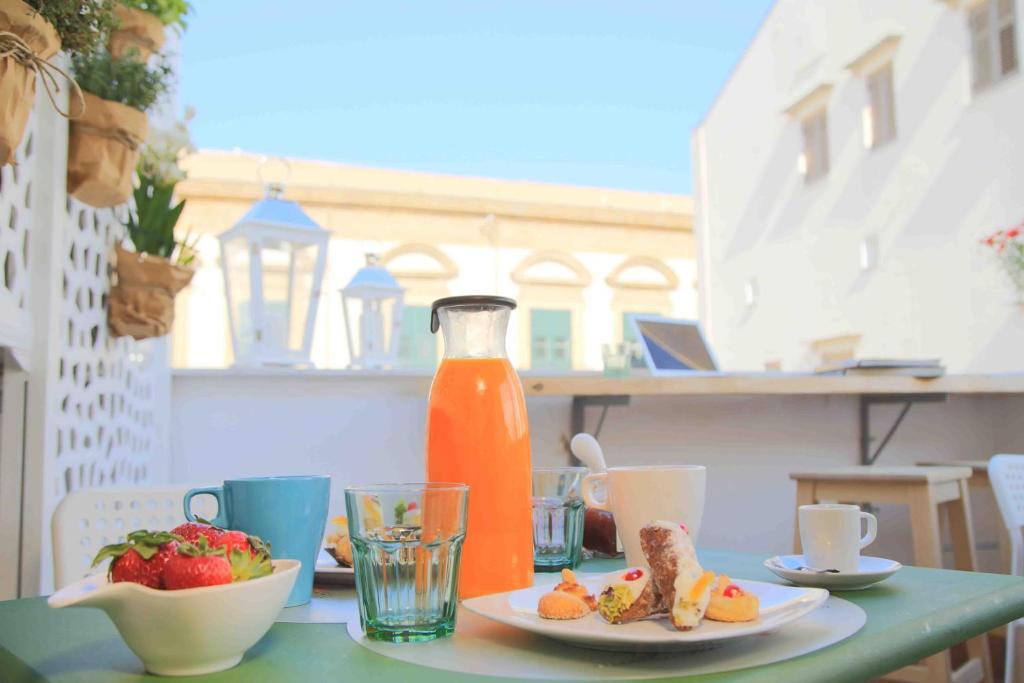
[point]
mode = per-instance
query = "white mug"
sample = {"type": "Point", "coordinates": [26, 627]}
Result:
{"type": "Point", "coordinates": [638, 495]}
{"type": "Point", "coordinates": [830, 535]}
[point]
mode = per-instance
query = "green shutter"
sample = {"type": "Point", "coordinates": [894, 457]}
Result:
{"type": "Point", "coordinates": [417, 347]}
{"type": "Point", "coordinates": [550, 339]}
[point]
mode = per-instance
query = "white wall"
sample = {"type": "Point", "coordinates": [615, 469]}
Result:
{"type": "Point", "coordinates": [954, 173]}
{"type": "Point", "coordinates": [366, 428]}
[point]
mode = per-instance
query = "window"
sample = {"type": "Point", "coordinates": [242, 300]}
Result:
{"type": "Point", "coordinates": [993, 33]}
{"type": "Point", "coordinates": [550, 339]}
{"type": "Point", "coordinates": [814, 160]}
{"type": "Point", "coordinates": [880, 116]}
{"type": "Point", "coordinates": [417, 347]}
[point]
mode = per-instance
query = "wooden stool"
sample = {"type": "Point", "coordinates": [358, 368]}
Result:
{"type": "Point", "coordinates": [979, 483]}
{"type": "Point", "coordinates": [925, 490]}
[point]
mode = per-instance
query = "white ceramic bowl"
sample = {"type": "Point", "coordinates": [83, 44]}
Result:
{"type": "Point", "coordinates": [187, 632]}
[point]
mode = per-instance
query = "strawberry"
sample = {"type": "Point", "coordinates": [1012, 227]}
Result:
{"type": "Point", "coordinates": [232, 540]}
{"type": "Point", "coordinates": [141, 559]}
{"type": "Point", "coordinates": [249, 565]}
{"type": "Point", "coordinates": [193, 531]}
{"type": "Point", "coordinates": [195, 565]}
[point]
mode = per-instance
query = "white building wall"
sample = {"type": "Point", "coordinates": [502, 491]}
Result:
{"type": "Point", "coordinates": [954, 173]}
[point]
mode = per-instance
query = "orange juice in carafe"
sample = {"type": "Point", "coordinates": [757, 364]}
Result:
{"type": "Point", "coordinates": [478, 434]}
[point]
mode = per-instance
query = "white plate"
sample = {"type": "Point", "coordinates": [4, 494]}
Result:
{"type": "Point", "coordinates": [329, 571]}
{"type": "Point", "coordinates": [871, 570]}
{"type": "Point", "coordinates": [780, 605]}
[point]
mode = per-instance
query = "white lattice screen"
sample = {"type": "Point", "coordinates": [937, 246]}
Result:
{"type": "Point", "coordinates": [105, 408]}
{"type": "Point", "coordinates": [15, 221]}
{"type": "Point", "coordinates": [97, 407]}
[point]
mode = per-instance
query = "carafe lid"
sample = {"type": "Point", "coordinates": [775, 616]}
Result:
{"type": "Point", "coordinates": [469, 300]}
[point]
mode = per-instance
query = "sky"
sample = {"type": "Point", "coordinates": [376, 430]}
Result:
{"type": "Point", "coordinates": [591, 92]}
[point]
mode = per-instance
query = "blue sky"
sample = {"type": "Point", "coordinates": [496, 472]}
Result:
{"type": "Point", "coordinates": [567, 91]}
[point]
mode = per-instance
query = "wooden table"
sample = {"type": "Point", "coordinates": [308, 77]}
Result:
{"type": "Point", "coordinates": [914, 614]}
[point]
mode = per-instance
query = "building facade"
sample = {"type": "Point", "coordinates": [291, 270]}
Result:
{"type": "Point", "coordinates": [578, 260]}
{"type": "Point", "coordinates": [844, 177]}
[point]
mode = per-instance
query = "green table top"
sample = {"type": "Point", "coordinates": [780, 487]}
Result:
{"type": "Point", "coordinates": [915, 613]}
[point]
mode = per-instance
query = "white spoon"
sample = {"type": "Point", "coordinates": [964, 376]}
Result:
{"type": "Point", "coordinates": [588, 451]}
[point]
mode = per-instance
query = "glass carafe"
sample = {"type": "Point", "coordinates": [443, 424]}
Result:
{"type": "Point", "coordinates": [478, 434]}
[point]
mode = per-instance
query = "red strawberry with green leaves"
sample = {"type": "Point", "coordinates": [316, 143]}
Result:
{"type": "Point", "coordinates": [246, 565]}
{"type": "Point", "coordinates": [195, 565]}
{"type": "Point", "coordinates": [232, 540]}
{"type": "Point", "coordinates": [142, 558]}
{"type": "Point", "coordinates": [193, 531]}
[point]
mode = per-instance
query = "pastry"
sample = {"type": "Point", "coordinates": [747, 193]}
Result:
{"type": "Point", "coordinates": [567, 600]}
{"type": "Point", "coordinates": [731, 603]}
{"type": "Point", "coordinates": [677, 574]}
{"type": "Point", "coordinates": [569, 584]}
{"type": "Point", "coordinates": [630, 596]}
{"type": "Point", "coordinates": [562, 605]}
{"type": "Point", "coordinates": [338, 544]}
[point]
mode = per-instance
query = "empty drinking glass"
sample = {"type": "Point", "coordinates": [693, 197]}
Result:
{"type": "Point", "coordinates": [557, 517]}
{"type": "Point", "coordinates": [406, 547]}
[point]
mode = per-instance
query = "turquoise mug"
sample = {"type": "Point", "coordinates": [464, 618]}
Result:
{"type": "Point", "coordinates": [288, 512]}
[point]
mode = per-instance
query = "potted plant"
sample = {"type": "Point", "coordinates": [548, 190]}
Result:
{"type": "Point", "coordinates": [139, 25]}
{"type": "Point", "coordinates": [104, 142]}
{"type": "Point", "coordinates": [148, 279]}
{"type": "Point", "coordinates": [1009, 250]}
{"type": "Point", "coordinates": [35, 31]}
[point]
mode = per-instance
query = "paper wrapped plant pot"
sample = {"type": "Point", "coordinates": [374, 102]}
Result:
{"type": "Point", "coordinates": [32, 35]}
{"type": "Point", "coordinates": [102, 150]}
{"type": "Point", "coordinates": [141, 303]}
{"type": "Point", "coordinates": [136, 29]}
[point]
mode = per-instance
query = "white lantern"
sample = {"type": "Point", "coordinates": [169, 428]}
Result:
{"type": "Point", "coordinates": [273, 262]}
{"type": "Point", "coordinates": [374, 299]}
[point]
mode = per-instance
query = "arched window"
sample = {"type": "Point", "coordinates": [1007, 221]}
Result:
{"type": "Point", "coordinates": [550, 297]}
{"type": "Point", "coordinates": [419, 261]}
{"type": "Point", "coordinates": [643, 272]}
{"type": "Point", "coordinates": [424, 271]}
{"type": "Point", "coordinates": [551, 268]}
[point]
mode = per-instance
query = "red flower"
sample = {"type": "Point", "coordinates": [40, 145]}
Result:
{"type": "Point", "coordinates": [1013, 233]}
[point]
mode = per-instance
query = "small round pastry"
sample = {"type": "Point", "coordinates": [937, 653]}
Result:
{"type": "Point", "coordinates": [731, 603]}
{"type": "Point", "coordinates": [562, 605]}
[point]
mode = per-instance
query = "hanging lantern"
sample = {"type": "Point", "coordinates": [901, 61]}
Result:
{"type": "Point", "coordinates": [273, 262]}
{"type": "Point", "coordinates": [372, 305]}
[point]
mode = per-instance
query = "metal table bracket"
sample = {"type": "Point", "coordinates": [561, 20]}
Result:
{"type": "Point", "coordinates": [868, 400]}
{"type": "Point", "coordinates": [577, 419]}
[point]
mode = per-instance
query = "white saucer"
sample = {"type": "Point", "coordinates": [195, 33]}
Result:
{"type": "Point", "coordinates": [870, 570]}
{"type": "Point", "coordinates": [329, 571]}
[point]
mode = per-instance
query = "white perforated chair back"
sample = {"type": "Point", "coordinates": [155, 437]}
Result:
{"type": "Point", "coordinates": [1006, 472]}
{"type": "Point", "coordinates": [89, 519]}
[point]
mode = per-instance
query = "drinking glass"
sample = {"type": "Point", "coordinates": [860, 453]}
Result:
{"type": "Point", "coordinates": [406, 546]}
{"type": "Point", "coordinates": [557, 517]}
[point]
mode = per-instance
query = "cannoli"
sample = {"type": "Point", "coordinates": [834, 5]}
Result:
{"type": "Point", "coordinates": [731, 603]}
{"type": "Point", "coordinates": [686, 587]}
{"type": "Point", "coordinates": [630, 596]}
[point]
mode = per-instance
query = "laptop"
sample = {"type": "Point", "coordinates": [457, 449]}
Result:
{"type": "Point", "coordinates": [673, 346]}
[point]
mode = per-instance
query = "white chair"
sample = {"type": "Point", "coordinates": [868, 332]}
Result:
{"type": "Point", "coordinates": [1006, 472]}
{"type": "Point", "coordinates": [87, 520]}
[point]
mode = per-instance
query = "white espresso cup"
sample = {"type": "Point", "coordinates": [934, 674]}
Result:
{"type": "Point", "coordinates": [638, 495]}
{"type": "Point", "coordinates": [830, 535]}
